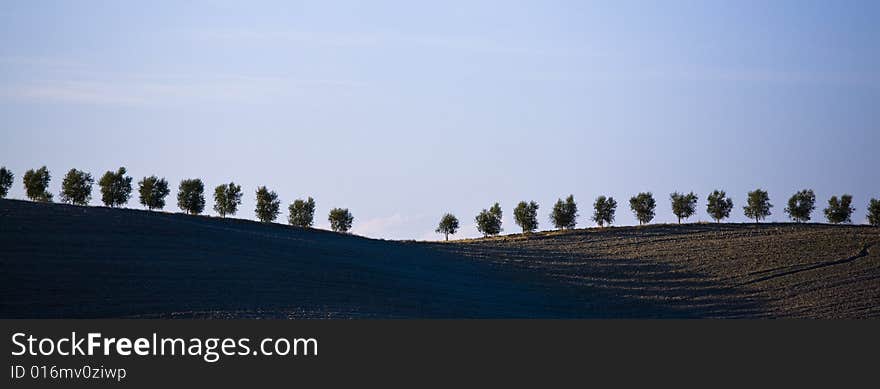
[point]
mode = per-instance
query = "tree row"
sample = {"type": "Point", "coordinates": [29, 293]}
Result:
{"type": "Point", "coordinates": [116, 190]}
{"type": "Point", "coordinates": [718, 205]}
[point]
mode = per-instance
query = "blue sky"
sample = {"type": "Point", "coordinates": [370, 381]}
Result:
{"type": "Point", "coordinates": [403, 110]}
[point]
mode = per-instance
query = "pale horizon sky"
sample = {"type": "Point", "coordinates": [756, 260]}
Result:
{"type": "Point", "coordinates": [402, 111]}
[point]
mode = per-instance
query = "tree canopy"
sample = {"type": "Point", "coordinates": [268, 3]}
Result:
{"type": "Point", "coordinates": [152, 191]}
{"type": "Point", "coordinates": [839, 210]}
{"type": "Point", "coordinates": [564, 214]}
{"type": "Point", "coordinates": [801, 205]}
{"type": "Point", "coordinates": [718, 205]}
{"type": "Point", "coordinates": [448, 225]}
{"type": "Point", "coordinates": [36, 184]}
{"type": "Point", "coordinates": [6, 178]}
{"type": "Point", "coordinates": [526, 216]}
{"type": "Point", "coordinates": [76, 188]}
{"type": "Point", "coordinates": [191, 196]}
{"type": "Point", "coordinates": [302, 213]}
{"type": "Point", "coordinates": [603, 210]}
{"type": "Point", "coordinates": [758, 205]}
{"type": "Point", "coordinates": [227, 198]}
{"type": "Point", "coordinates": [643, 206]}
{"type": "Point", "coordinates": [115, 188]}
{"type": "Point", "coordinates": [268, 205]}
{"type": "Point", "coordinates": [489, 220]}
{"type": "Point", "coordinates": [340, 219]}
{"type": "Point", "coordinates": [683, 205]}
{"type": "Point", "coordinates": [874, 212]}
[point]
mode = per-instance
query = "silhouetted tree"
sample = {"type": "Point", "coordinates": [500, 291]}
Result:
{"type": "Point", "coordinates": [36, 185]}
{"type": "Point", "coordinates": [268, 205]}
{"type": "Point", "coordinates": [489, 220]}
{"type": "Point", "coordinates": [6, 178]}
{"type": "Point", "coordinates": [874, 212]}
{"type": "Point", "coordinates": [76, 188]}
{"type": "Point", "coordinates": [448, 225]}
{"type": "Point", "coordinates": [340, 219]}
{"type": "Point", "coordinates": [115, 188]}
{"type": "Point", "coordinates": [565, 213]}
{"type": "Point", "coordinates": [191, 196]}
{"type": "Point", "coordinates": [718, 205]}
{"type": "Point", "coordinates": [683, 205]}
{"type": "Point", "coordinates": [643, 206]}
{"type": "Point", "coordinates": [302, 213]}
{"type": "Point", "coordinates": [839, 211]}
{"type": "Point", "coordinates": [758, 205]}
{"type": "Point", "coordinates": [526, 216]}
{"type": "Point", "coordinates": [227, 198]}
{"type": "Point", "coordinates": [801, 205]}
{"type": "Point", "coordinates": [603, 210]}
{"type": "Point", "coordinates": [152, 191]}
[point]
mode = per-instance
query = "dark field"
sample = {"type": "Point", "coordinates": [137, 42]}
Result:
{"type": "Point", "coordinates": [84, 262]}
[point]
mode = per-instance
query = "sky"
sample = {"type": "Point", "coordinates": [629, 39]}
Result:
{"type": "Point", "coordinates": [402, 111]}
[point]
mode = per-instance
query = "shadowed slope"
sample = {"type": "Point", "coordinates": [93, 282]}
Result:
{"type": "Point", "coordinates": [67, 261]}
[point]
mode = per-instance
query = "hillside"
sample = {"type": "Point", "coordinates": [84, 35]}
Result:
{"type": "Point", "coordinates": [68, 261]}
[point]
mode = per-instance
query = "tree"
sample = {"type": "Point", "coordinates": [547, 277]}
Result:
{"type": "Point", "coordinates": [36, 185]}
{"type": "Point", "coordinates": [153, 191]}
{"type": "Point", "coordinates": [758, 205]}
{"type": "Point", "coordinates": [526, 216]}
{"type": "Point", "coordinates": [268, 205]}
{"type": "Point", "coordinates": [6, 178]}
{"type": "Point", "coordinates": [115, 188]}
{"type": "Point", "coordinates": [77, 187]}
{"type": "Point", "coordinates": [565, 213]}
{"type": "Point", "coordinates": [801, 205]}
{"type": "Point", "coordinates": [489, 220]}
{"type": "Point", "coordinates": [227, 198]}
{"type": "Point", "coordinates": [839, 211]}
{"type": "Point", "coordinates": [683, 205]}
{"type": "Point", "coordinates": [302, 213]}
{"type": "Point", "coordinates": [643, 206]}
{"type": "Point", "coordinates": [448, 225]}
{"type": "Point", "coordinates": [874, 212]}
{"type": "Point", "coordinates": [603, 210]}
{"type": "Point", "coordinates": [191, 196]}
{"type": "Point", "coordinates": [718, 205]}
{"type": "Point", "coordinates": [340, 219]}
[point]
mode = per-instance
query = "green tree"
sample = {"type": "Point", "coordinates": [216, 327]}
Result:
{"type": "Point", "coordinates": [76, 188]}
{"type": "Point", "coordinates": [489, 220]}
{"type": "Point", "coordinates": [152, 191]}
{"type": "Point", "coordinates": [643, 206]}
{"type": "Point", "coordinates": [268, 205]}
{"type": "Point", "coordinates": [839, 211]}
{"type": "Point", "coordinates": [340, 219]}
{"type": "Point", "coordinates": [526, 216]}
{"type": "Point", "coordinates": [115, 188]}
{"type": "Point", "coordinates": [227, 198]}
{"type": "Point", "coordinates": [36, 185]}
{"type": "Point", "coordinates": [6, 178]}
{"type": "Point", "coordinates": [565, 213]}
{"type": "Point", "coordinates": [758, 205]}
{"type": "Point", "coordinates": [603, 210]}
{"type": "Point", "coordinates": [302, 213]}
{"type": "Point", "coordinates": [448, 225]}
{"type": "Point", "coordinates": [718, 205]}
{"type": "Point", "coordinates": [874, 212]}
{"type": "Point", "coordinates": [683, 205]}
{"type": "Point", "coordinates": [191, 196]}
{"type": "Point", "coordinates": [801, 205]}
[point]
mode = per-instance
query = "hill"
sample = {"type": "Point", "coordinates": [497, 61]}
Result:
{"type": "Point", "coordinates": [83, 262]}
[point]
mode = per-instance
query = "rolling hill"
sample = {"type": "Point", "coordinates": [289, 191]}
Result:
{"type": "Point", "coordinates": [62, 261]}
